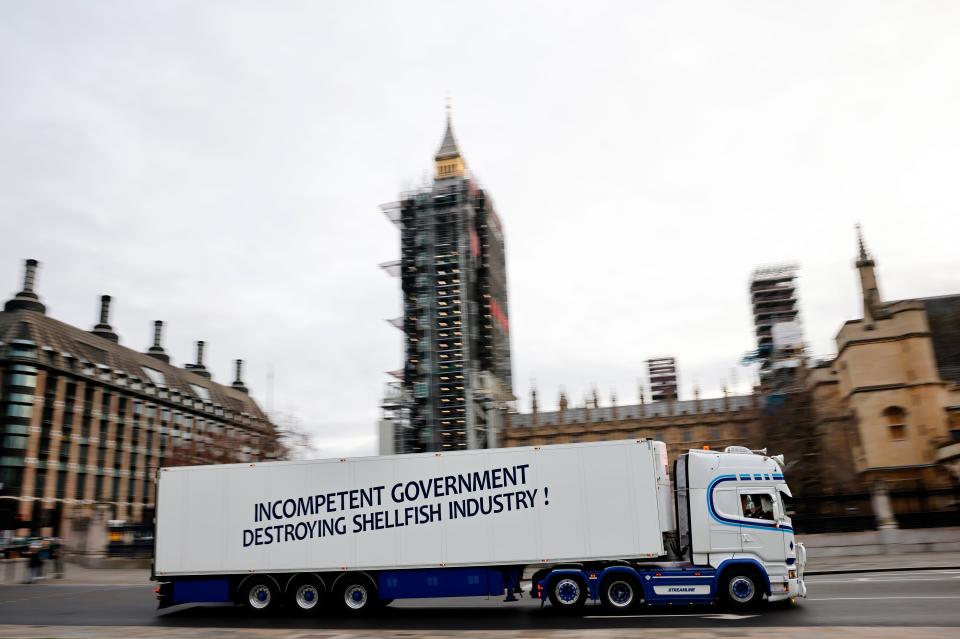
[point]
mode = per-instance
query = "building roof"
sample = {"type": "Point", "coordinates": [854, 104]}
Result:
{"type": "Point", "coordinates": [69, 341]}
{"type": "Point", "coordinates": [635, 411]}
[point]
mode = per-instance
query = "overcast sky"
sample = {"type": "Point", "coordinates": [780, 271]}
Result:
{"type": "Point", "coordinates": [219, 166]}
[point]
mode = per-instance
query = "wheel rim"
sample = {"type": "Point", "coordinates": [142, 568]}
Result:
{"type": "Point", "coordinates": [355, 597]}
{"type": "Point", "coordinates": [741, 589]}
{"type": "Point", "coordinates": [568, 591]}
{"type": "Point", "coordinates": [620, 594]}
{"type": "Point", "coordinates": [259, 596]}
{"type": "Point", "coordinates": [307, 597]}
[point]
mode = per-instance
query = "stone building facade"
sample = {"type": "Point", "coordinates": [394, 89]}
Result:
{"type": "Point", "coordinates": [896, 382]}
{"type": "Point", "coordinates": [86, 422]}
{"type": "Point", "coordinates": [682, 425]}
{"type": "Point", "coordinates": [887, 407]}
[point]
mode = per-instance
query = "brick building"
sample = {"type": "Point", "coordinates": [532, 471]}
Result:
{"type": "Point", "coordinates": [86, 422]}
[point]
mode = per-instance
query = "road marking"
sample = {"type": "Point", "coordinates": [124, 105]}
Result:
{"type": "Point", "coordinates": [723, 616]}
{"type": "Point", "coordinates": [889, 573]}
{"type": "Point", "coordinates": [881, 580]}
{"type": "Point", "coordinates": [915, 575]}
{"type": "Point", "coordinates": [887, 597]}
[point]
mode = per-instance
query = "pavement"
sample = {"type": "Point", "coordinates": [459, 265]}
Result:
{"type": "Point", "coordinates": [75, 574]}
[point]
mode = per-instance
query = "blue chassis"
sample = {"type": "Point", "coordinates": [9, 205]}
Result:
{"type": "Point", "coordinates": [652, 575]}
{"type": "Point", "coordinates": [486, 581]}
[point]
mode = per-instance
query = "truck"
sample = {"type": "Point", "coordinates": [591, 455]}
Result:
{"type": "Point", "coordinates": [599, 521]}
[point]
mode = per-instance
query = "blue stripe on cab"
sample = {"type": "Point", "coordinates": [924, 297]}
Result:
{"type": "Point", "coordinates": [734, 522]}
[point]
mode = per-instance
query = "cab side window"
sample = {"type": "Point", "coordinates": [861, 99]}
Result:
{"type": "Point", "coordinates": [757, 506]}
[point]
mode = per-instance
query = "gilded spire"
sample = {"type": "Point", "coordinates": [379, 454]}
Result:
{"type": "Point", "coordinates": [449, 162]}
{"type": "Point", "coordinates": [448, 148]}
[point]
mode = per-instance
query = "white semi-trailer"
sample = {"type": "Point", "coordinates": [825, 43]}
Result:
{"type": "Point", "coordinates": [597, 521]}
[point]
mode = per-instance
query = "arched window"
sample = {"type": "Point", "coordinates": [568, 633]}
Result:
{"type": "Point", "coordinates": [896, 418]}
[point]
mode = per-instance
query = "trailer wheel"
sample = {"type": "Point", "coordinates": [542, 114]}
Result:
{"type": "Point", "coordinates": [619, 593]}
{"type": "Point", "coordinates": [740, 589]}
{"type": "Point", "coordinates": [260, 595]}
{"type": "Point", "coordinates": [567, 592]}
{"type": "Point", "coordinates": [356, 594]}
{"type": "Point", "coordinates": [305, 595]}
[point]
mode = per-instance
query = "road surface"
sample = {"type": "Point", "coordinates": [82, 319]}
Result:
{"type": "Point", "coordinates": [909, 598]}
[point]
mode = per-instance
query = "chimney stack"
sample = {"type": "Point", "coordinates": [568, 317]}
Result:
{"type": "Point", "coordinates": [27, 300]}
{"type": "Point", "coordinates": [29, 275]}
{"type": "Point", "coordinates": [104, 309]}
{"type": "Point", "coordinates": [199, 368]}
{"type": "Point", "coordinates": [156, 351]}
{"type": "Point", "coordinates": [103, 329]}
{"type": "Point", "coordinates": [238, 382]}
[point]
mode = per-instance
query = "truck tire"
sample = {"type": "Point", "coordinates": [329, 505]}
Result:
{"type": "Point", "coordinates": [356, 594]}
{"type": "Point", "coordinates": [740, 589]}
{"type": "Point", "coordinates": [567, 593]}
{"type": "Point", "coordinates": [305, 595]}
{"type": "Point", "coordinates": [620, 593]}
{"type": "Point", "coordinates": [260, 594]}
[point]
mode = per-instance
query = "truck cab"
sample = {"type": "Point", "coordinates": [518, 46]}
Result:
{"type": "Point", "coordinates": [731, 515]}
{"type": "Point", "coordinates": [732, 541]}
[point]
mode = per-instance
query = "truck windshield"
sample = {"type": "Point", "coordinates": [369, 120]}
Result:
{"type": "Point", "coordinates": [787, 506]}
